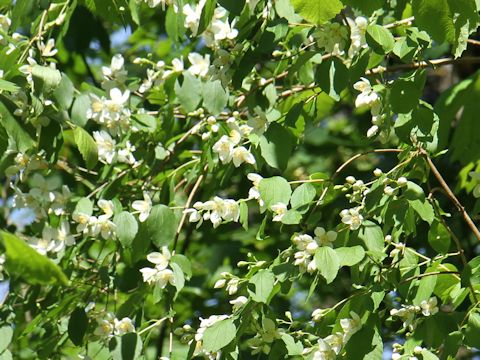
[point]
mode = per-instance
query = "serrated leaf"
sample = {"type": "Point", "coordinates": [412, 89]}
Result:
{"type": "Point", "coordinates": [126, 228]}
{"type": "Point", "coordinates": [215, 97]}
{"type": "Point", "coordinates": [87, 146]}
{"type": "Point", "coordinates": [64, 92]}
{"type": "Point", "coordinates": [349, 256]}
{"type": "Point", "coordinates": [302, 196]}
{"type": "Point", "coordinates": [276, 146]}
{"type": "Point", "coordinates": [24, 261]}
{"type": "Point", "coordinates": [219, 335]}
{"type": "Point", "coordinates": [274, 190]}
{"type": "Point", "coordinates": [317, 11]}
{"type": "Point", "coordinates": [160, 226]}
{"type": "Point", "coordinates": [79, 110]}
{"type": "Point", "coordinates": [263, 282]}
{"type": "Point", "coordinates": [15, 130]}
{"type": "Point", "coordinates": [8, 86]}
{"type": "Point", "coordinates": [294, 348]}
{"type": "Point", "coordinates": [327, 262]}
{"type": "Point", "coordinates": [46, 78]}
{"type": "Point", "coordinates": [380, 39]}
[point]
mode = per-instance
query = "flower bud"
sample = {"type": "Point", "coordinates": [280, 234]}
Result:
{"type": "Point", "coordinates": [219, 284]}
{"type": "Point", "coordinates": [377, 172]}
{"type": "Point", "coordinates": [402, 181]}
{"type": "Point", "coordinates": [350, 179]}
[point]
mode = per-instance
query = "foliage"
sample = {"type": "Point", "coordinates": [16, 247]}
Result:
{"type": "Point", "coordinates": [238, 179]}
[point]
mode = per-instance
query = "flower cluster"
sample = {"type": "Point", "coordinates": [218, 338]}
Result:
{"type": "Point", "coordinates": [160, 274]}
{"type": "Point", "coordinates": [408, 312]}
{"type": "Point", "coordinates": [216, 210]}
{"type": "Point", "coordinates": [93, 225]}
{"type": "Point", "coordinates": [108, 326]}
{"type": "Point", "coordinates": [254, 192]}
{"type": "Point", "coordinates": [228, 147]}
{"type": "Point", "coordinates": [307, 247]}
{"type": "Point", "coordinates": [369, 98]}
{"type": "Point", "coordinates": [332, 37]}
{"type": "Point", "coordinates": [329, 347]}
{"type": "Point", "coordinates": [358, 29]}
{"type": "Point", "coordinates": [220, 28]}
{"type": "Point", "coordinates": [113, 113]}
{"type": "Point", "coordinates": [265, 336]}
{"type": "Point", "coordinates": [231, 281]}
{"type": "Point", "coordinates": [53, 240]}
{"type": "Point", "coordinates": [108, 150]}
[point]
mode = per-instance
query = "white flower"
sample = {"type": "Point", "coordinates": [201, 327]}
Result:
{"type": "Point", "coordinates": [324, 352]}
{"type": "Point", "coordinates": [160, 260]}
{"type": "Point", "coordinates": [125, 154]}
{"type": "Point", "coordinates": [143, 206]}
{"type": "Point", "coordinates": [358, 28]}
{"type": "Point", "coordinates": [335, 341]}
{"type": "Point", "coordinates": [192, 16]}
{"type": "Point", "coordinates": [324, 238]}
{"type": "Point", "coordinates": [115, 75]}
{"type": "Point", "coordinates": [194, 215]}
{"type": "Point", "coordinates": [5, 23]}
{"type": "Point", "coordinates": [123, 326]}
{"type": "Point", "coordinates": [279, 209]}
{"type": "Point", "coordinates": [367, 96]}
{"type": "Point", "coordinates": [240, 155]}
{"type": "Point", "coordinates": [232, 286]}
{"type": "Point", "coordinates": [350, 325]}
{"type": "Point", "coordinates": [220, 30]}
{"type": "Point", "coordinates": [199, 64]}
{"type": "Point", "coordinates": [63, 233]}
{"type": "Point", "coordinates": [107, 207]}
{"type": "Point", "coordinates": [219, 284]}
{"type": "Point", "coordinates": [112, 112]}
{"type": "Point", "coordinates": [105, 145]}
{"type": "Point", "coordinates": [475, 176]}
{"type": "Point", "coordinates": [352, 217]}
{"type": "Point", "coordinates": [224, 149]}
{"type": "Point", "coordinates": [238, 302]}
{"type": "Point", "coordinates": [48, 50]}
{"type": "Point", "coordinates": [105, 327]}
{"type": "Point", "coordinates": [429, 307]}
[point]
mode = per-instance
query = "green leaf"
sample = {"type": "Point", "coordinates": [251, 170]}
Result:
{"type": "Point", "coordinates": [380, 39]}
{"type": "Point", "coordinates": [127, 347]}
{"type": "Point", "coordinates": [276, 146]}
{"type": "Point", "coordinates": [274, 190]}
{"type": "Point", "coordinates": [178, 276]}
{"type": "Point", "coordinates": [472, 330]}
{"type": "Point", "coordinates": [425, 287]}
{"type": "Point", "coordinates": [263, 282]}
{"type": "Point", "coordinates": [327, 262]}
{"type": "Point", "coordinates": [64, 93]}
{"type": "Point", "coordinates": [190, 92]}
{"type": "Point", "coordinates": [79, 110]}
{"type": "Point", "coordinates": [233, 6]}
{"type": "Point", "coordinates": [84, 206]}
{"type": "Point", "coordinates": [24, 261]}
{"type": "Point", "coordinates": [77, 326]}
{"type": "Point", "coordinates": [160, 227]}
{"type": "Point", "coordinates": [215, 97]}
{"type": "Point", "coordinates": [332, 76]}
{"type": "Point", "coordinates": [219, 335]}
{"type": "Point", "coordinates": [435, 17]}
{"type": "Point", "coordinates": [6, 334]}
{"type": "Point", "coordinates": [87, 147]}
{"type": "Point", "coordinates": [46, 78]}
{"type": "Point", "coordinates": [291, 217]}
{"type": "Point", "coordinates": [127, 228]}
{"type": "Point", "coordinates": [184, 264]}
{"type": "Point", "coordinates": [406, 92]}
{"type": "Point", "coordinates": [439, 237]}
{"type": "Point", "coordinates": [349, 256]}
{"type": "Point", "coordinates": [14, 130]}
{"type": "Point", "coordinates": [145, 122]}
{"type": "Point", "coordinates": [424, 209]}
{"type": "Point", "coordinates": [302, 196]}
{"type": "Point", "coordinates": [207, 15]}
{"type": "Point", "coordinates": [294, 348]}
{"type": "Point", "coordinates": [317, 11]}
{"type": "Point", "coordinates": [8, 86]}
{"type": "Point", "coordinates": [372, 236]}
{"type": "Point", "coordinates": [244, 215]}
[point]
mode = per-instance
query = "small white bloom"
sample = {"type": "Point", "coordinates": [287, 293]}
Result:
{"type": "Point", "coordinates": [123, 326]}
{"type": "Point", "coordinates": [224, 149]}
{"type": "Point", "coordinates": [238, 302]}
{"type": "Point", "coordinates": [105, 145]}
{"type": "Point", "coordinates": [143, 206]}
{"type": "Point", "coordinates": [325, 238]}
{"type": "Point", "coordinates": [352, 217]}
{"type": "Point", "coordinates": [199, 64]}
{"type": "Point", "coordinates": [429, 307]}
{"type": "Point", "coordinates": [279, 209]}
{"type": "Point", "coordinates": [240, 155]}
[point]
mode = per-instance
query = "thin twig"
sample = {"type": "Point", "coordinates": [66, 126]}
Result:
{"type": "Point", "coordinates": [451, 195]}
{"type": "Point", "coordinates": [423, 64]}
